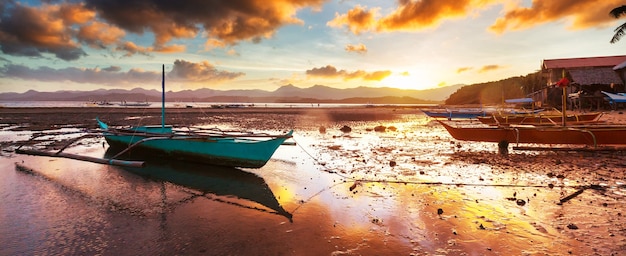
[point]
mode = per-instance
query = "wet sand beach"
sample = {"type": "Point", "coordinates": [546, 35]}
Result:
{"type": "Point", "coordinates": [408, 190]}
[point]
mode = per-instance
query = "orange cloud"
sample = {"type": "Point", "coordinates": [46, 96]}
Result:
{"type": "Point", "coordinates": [357, 20]}
{"type": "Point", "coordinates": [418, 15]}
{"type": "Point", "coordinates": [463, 69]}
{"type": "Point", "coordinates": [330, 71]}
{"type": "Point", "coordinates": [98, 34]}
{"type": "Point", "coordinates": [76, 14]}
{"type": "Point", "coordinates": [131, 49]}
{"type": "Point", "coordinates": [408, 16]}
{"type": "Point", "coordinates": [29, 31]}
{"type": "Point", "coordinates": [360, 48]}
{"type": "Point", "coordinates": [488, 68]}
{"type": "Point", "coordinates": [582, 14]}
{"type": "Point", "coordinates": [169, 48]}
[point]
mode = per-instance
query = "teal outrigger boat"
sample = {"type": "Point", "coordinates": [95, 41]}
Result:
{"type": "Point", "coordinates": [211, 146]}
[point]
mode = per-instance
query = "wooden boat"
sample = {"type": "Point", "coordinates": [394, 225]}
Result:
{"type": "Point", "coordinates": [539, 118]}
{"type": "Point", "coordinates": [234, 149]}
{"type": "Point", "coordinates": [211, 146]}
{"type": "Point", "coordinates": [455, 113]}
{"type": "Point", "coordinates": [592, 135]}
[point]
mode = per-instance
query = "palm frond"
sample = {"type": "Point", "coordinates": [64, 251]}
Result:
{"type": "Point", "coordinates": [618, 11]}
{"type": "Point", "coordinates": [619, 33]}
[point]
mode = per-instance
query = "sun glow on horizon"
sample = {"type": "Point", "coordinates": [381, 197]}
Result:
{"type": "Point", "coordinates": [406, 80]}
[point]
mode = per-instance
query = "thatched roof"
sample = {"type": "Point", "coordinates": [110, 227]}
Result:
{"type": "Point", "coordinates": [589, 76]}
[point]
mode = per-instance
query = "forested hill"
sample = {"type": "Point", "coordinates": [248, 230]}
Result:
{"type": "Point", "coordinates": [496, 92]}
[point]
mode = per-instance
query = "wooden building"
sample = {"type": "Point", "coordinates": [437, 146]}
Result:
{"type": "Point", "coordinates": [588, 77]}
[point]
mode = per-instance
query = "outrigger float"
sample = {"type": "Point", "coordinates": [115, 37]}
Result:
{"type": "Point", "coordinates": [194, 144]}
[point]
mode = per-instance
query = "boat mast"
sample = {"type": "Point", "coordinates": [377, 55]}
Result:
{"type": "Point", "coordinates": [163, 99]}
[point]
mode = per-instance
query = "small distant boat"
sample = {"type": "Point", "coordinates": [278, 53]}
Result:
{"type": "Point", "coordinates": [539, 118]}
{"type": "Point", "coordinates": [455, 113]}
{"type": "Point", "coordinates": [232, 105]}
{"type": "Point", "coordinates": [592, 135]}
{"type": "Point", "coordinates": [104, 103]}
{"type": "Point", "coordinates": [135, 104]}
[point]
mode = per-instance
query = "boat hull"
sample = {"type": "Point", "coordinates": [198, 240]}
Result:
{"type": "Point", "coordinates": [538, 119]}
{"type": "Point", "coordinates": [222, 151]}
{"type": "Point", "coordinates": [586, 135]}
{"type": "Point", "coordinates": [461, 114]}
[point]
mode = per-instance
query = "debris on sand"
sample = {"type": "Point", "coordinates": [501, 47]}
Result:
{"type": "Point", "coordinates": [380, 128]}
{"type": "Point", "coordinates": [322, 129]}
{"type": "Point", "coordinates": [356, 183]}
{"type": "Point", "coordinates": [346, 129]}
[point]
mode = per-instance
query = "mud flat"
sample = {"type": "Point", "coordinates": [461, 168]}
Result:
{"type": "Point", "coordinates": [407, 189]}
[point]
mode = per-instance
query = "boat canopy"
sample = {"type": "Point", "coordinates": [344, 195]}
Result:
{"type": "Point", "coordinates": [519, 101]}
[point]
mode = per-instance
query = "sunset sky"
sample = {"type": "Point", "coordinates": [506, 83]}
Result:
{"type": "Point", "coordinates": [259, 44]}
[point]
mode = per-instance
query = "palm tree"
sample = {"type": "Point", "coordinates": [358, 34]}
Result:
{"type": "Point", "coordinates": [621, 30]}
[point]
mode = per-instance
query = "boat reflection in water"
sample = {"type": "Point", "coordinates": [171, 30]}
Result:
{"type": "Point", "coordinates": [212, 180]}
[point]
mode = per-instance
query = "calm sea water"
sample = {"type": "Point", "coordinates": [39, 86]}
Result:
{"type": "Point", "coordinates": [79, 104]}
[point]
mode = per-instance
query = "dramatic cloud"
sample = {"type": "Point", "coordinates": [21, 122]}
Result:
{"type": "Point", "coordinates": [61, 27]}
{"type": "Point", "coordinates": [226, 21]}
{"type": "Point", "coordinates": [332, 72]}
{"type": "Point", "coordinates": [99, 35]}
{"type": "Point", "coordinates": [408, 16]}
{"type": "Point", "coordinates": [28, 31]}
{"type": "Point", "coordinates": [199, 72]}
{"type": "Point", "coordinates": [582, 14]}
{"type": "Point", "coordinates": [416, 15]}
{"type": "Point", "coordinates": [360, 48]}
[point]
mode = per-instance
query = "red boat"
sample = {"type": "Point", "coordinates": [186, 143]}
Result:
{"type": "Point", "coordinates": [540, 118]}
{"type": "Point", "coordinates": [592, 135]}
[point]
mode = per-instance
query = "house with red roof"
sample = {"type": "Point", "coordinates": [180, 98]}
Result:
{"type": "Point", "coordinates": [588, 76]}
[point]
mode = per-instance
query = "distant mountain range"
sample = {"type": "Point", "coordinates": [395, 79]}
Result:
{"type": "Point", "coordinates": [287, 93]}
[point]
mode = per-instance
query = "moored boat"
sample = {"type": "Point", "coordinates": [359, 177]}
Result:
{"type": "Point", "coordinates": [135, 104]}
{"type": "Point", "coordinates": [539, 118]}
{"type": "Point", "coordinates": [211, 146]}
{"type": "Point", "coordinates": [214, 147]}
{"type": "Point", "coordinates": [592, 135]}
{"type": "Point", "coordinates": [455, 113]}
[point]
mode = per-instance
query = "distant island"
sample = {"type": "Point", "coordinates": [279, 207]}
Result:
{"type": "Point", "coordinates": [284, 94]}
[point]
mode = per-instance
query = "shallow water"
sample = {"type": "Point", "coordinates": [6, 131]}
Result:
{"type": "Point", "coordinates": [366, 193]}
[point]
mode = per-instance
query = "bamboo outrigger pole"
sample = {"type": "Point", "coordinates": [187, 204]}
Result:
{"type": "Point", "coordinates": [117, 162]}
